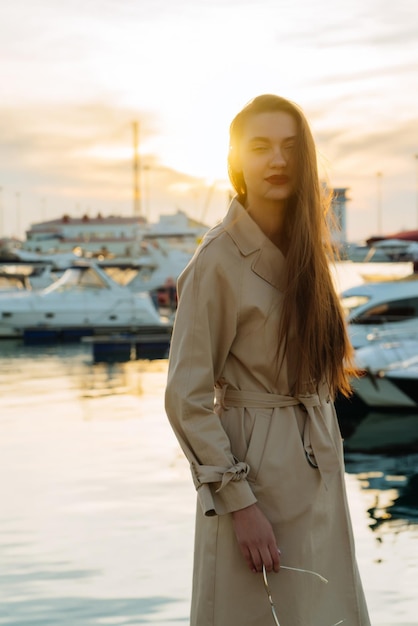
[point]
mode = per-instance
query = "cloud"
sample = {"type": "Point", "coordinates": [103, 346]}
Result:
{"type": "Point", "coordinates": [355, 24]}
{"type": "Point", "coordinates": [79, 159]}
{"type": "Point", "coordinates": [386, 72]}
{"type": "Point", "coordinates": [63, 142]}
{"type": "Point", "coordinates": [389, 146]}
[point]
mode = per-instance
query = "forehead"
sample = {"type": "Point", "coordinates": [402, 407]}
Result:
{"type": "Point", "coordinates": [272, 126]}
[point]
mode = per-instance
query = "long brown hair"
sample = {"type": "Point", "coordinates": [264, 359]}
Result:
{"type": "Point", "coordinates": [310, 305]}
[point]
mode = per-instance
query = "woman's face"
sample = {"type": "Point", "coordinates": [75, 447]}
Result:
{"type": "Point", "coordinates": [266, 157]}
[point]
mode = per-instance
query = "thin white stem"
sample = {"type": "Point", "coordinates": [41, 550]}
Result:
{"type": "Point", "coordinates": [307, 571]}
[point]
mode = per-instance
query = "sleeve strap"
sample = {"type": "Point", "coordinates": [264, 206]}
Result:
{"type": "Point", "coordinates": [203, 474]}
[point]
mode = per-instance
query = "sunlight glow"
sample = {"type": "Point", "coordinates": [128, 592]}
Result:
{"type": "Point", "coordinates": [183, 72]}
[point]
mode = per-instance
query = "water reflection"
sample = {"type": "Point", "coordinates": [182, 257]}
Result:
{"type": "Point", "coordinates": [381, 450]}
{"type": "Point", "coordinates": [380, 432]}
{"type": "Point", "coordinates": [81, 610]}
{"type": "Point", "coordinates": [97, 515]}
{"type": "Point", "coordinates": [393, 483]}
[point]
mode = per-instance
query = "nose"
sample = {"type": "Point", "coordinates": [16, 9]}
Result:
{"type": "Point", "coordinates": [278, 158]}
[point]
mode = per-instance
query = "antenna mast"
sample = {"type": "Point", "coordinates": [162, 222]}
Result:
{"type": "Point", "coordinates": [136, 172]}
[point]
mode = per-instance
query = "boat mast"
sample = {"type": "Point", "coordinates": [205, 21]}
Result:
{"type": "Point", "coordinates": [136, 172]}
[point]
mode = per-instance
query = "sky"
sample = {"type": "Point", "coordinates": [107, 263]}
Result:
{"type": "Point", "coordinates": [76, 75]}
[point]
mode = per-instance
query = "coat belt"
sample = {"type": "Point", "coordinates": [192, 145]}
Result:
{"type": "Point", "coordinates": [319, 445]}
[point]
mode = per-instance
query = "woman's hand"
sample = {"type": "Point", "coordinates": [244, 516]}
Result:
{"type": "Point", "coordinates": [256, 539]}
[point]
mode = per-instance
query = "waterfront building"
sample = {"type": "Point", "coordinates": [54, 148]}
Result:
{"type": "Point", "coordinates": [113, 236]}
{"type": "Point", "coordinates": [339, 215]}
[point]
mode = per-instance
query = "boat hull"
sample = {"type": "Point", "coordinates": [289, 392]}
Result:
{"type": "Point", "coordinates": [386, 393]}
{"type": "Point", "coordinates": [83, 301]}
{"type": "Point", "coordinates": [130, 347]}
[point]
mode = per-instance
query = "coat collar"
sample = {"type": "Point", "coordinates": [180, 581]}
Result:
{"type": "Point", "coordinates": [268, 261]}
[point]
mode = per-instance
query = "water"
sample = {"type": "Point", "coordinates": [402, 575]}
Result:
{"type": "Point", "coordinates": [97, 506]}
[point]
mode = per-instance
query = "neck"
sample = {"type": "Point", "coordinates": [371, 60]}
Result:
{"type": "Point", "coordinates": [271, 221]}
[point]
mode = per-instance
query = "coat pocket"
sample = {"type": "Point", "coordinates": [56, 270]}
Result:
{"type": "Point", "coordinates": [261, 419]}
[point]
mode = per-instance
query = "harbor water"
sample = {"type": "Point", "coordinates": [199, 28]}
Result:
{"type": "Point", "coordinates": [97, 505]}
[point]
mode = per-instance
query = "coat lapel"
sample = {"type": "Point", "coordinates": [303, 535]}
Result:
{"type": "Point", "coordinates": [268, 260]}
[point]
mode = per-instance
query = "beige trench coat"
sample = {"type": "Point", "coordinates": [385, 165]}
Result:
{"type": "Point", "coordinates": [258, 444]}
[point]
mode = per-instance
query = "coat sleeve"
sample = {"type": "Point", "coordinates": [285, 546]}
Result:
{"type": "Point", "coordinates": [204, 330]}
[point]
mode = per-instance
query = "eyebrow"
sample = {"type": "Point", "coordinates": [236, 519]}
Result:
{"type": "Point", "coordinates": [267, 139]}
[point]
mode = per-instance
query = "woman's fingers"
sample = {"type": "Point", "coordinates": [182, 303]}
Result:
{"type": "Point", "coordinates": [248, 557]}
{"type": "Point", "coordinates": [275, 557]}
{"type": "Point", "coordinates": [258, 557]}
{"type": "Point", "coordinates": [269, 556]}
{"type": "Point", "coordinates": [256, 539]}
{"type": "Point", "coordinates": [258, 560]}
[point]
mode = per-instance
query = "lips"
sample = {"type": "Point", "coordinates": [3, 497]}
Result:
{"type": "Point", "coordinates": [278, 179]}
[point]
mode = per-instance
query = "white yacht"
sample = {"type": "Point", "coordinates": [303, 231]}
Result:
{"type": "Point", "coordinates": [85, 300]}
{"type": "Point", "coordinates": [389, 377]}
{"type": "Point", "coordinates": [386, 311]}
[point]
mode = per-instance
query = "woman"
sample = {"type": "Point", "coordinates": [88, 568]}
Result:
{"type": "Point", "coordinates": [258, 320]}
